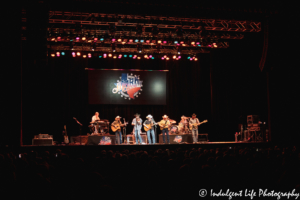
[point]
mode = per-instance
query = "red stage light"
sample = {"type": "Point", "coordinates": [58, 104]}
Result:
{"type": "Point", "coordinates": [89, 55]}
{"type": "Point", "coordinates": [57, 54]}
{"type": "Point", "coordinates": [73, 54]}
{"type": "Point", "coordinates": [104, 55]}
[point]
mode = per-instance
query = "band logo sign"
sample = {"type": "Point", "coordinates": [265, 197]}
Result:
{"type": "Point", "coordinates": [178, 139]}
{"type": "Point", "coordinates": [129, 86]}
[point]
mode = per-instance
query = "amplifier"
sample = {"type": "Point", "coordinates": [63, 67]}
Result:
{"type": "Point", "coordinates": [130, 139]}
{"type": "Point", "coordinates": [43, 142]}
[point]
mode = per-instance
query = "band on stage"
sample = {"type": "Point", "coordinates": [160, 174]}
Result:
{"type": "Point", "coordinates": [187, 125]}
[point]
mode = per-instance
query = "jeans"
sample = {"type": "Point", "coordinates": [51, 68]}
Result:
{"type": "Point", "coordinates": [118, 137]}
{"type": "Point", "coordinates": [137, 136]}
{"type": "Point", "coordinates": [153, 136]}
{"type": "Point", "coordinates": [167, 133]}
{"type": "Point", "coordinates": [195, 135]}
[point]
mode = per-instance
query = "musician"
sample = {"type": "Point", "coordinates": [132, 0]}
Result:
{"type": "Point", "coordinates": [165, 123]}
{"type": "Point", "coordinates": [194, 120]}
{"type": "Point", "coordinates": [150, 122]}
{"type": "Point", "coordinates": [95, 118]}
{"type": "Point", "coordinates": [183, 123]}
{"type": "Point", "coordinates": [118, 133]}
{"type": "Point", "coordinates": [137, 126]}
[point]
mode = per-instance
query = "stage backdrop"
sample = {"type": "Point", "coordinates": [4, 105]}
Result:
{"type": "Point", "coordinates": [134, 87]}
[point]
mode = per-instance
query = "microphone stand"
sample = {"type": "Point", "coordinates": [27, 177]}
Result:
{"type": "Point", "coordinates": [80, 125]}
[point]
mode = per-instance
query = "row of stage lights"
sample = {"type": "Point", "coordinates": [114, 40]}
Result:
{"type": "Point", "coordinates": [130, 41]}
{"type": "Point", "coordinates": [114, 56]}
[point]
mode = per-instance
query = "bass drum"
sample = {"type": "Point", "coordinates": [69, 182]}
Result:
{"type": "Point", "coordinates": [174, 129]}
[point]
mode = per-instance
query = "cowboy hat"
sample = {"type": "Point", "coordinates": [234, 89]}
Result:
{"type": "Point", "coordinates": [118, 117]}
{"type": "Point", "coordinates": [165, 116]}
{"type": "Point", "coordinates": [149, 116]}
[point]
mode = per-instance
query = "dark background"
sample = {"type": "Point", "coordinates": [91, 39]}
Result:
{"type": "Point", "coordinates": [102, 82]}
{"type": "Point", "coordinates": [42, 94]}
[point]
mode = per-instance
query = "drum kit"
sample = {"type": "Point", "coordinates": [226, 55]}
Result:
{"type": "Point", "coordinates": [181, 128]}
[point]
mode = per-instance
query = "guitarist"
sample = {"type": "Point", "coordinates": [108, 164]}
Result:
{"type": "Point", "coordinates": [149, 127]}
{"type": "Point", "coordinates": [164, 126]}
{"type": "Point", "coordinates": [118, 124]}
{"type": "Point", "coordinates": [137, 126]}
{"type": "Point", "coordinates": [194, 120]}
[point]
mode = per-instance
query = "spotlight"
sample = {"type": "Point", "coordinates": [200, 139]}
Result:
{"type": "Point", "coordinates": [174, 57]}
{"type": "Point", "coordinates": [59, 38]}
{"type": "Point", "coordinates": [83, 38]}
{"type": "Point", "coordinates": [130, 40]}
{"type": "Point", "coordinates": [136, 40]}
{"type": "Point", "coordinates": [125, 56]}
{"type": "Point", "coordinates": [89, 55]}
{"type": "Point", "coordinates": [104, 55]}
{"type": "Point", "coordinates": [130, 56]}
{"type": "Point", "coordinates": [142, 41]}
{"type": "Point", "coordinates": [62, 53]}
{"type": "Point", "coordinates": [110, 55]}
{"type": "Point", "coordinates": [52, 55]}
{"type": "Point", "coordinates": [115, 57]}
{"type": "Point", "coordinates": [167, 58]}
{"type": "Point", "coordinates": [162, 58]}
{"type": "Point", "coordinates": [73, 54]}
{"type": "Point", "coordinates": [150, 56]}
{"type": "Point", "coordinates": [139, 57]}
{"type": "Point", "coordinates": [119, 40]}
{"type": "Point", "coordinates": [113, 47]}
{"type": "Point", "coordinates": [113, 40]}
{"type": "Point", "coordinates": [101, 39]}
{"type": "Point", "coordinates": [78, 53]}
{"type": "Point", "coordinates": [58, 54]}
{"type": "Point", "coordinates": [196, 59]}
{"type": "Point", "coordinates": [120, 56]}
{"type": "Point", "coordinates": [84, 56]}
{"type": "Point", "coordinates": [159, 42]}
{"type": "Point", "coordinates": [147, 41]}
{"type": "Point", "coordinates": [175, 42]}
{"type": "Point", "coordinates": [77, 39]}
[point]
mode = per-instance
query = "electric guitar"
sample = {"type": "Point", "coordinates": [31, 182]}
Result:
{"type": "Point", "coordinates": [148, 127]}
{"type": "Point", "coordinates": [114, 128]}
{"type": "Point", "coordinates": [197, 124]}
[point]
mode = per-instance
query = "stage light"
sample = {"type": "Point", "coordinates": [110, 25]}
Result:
{"type": "Point", "coordinates": [78, 53]}
{"type": "Point", "coordinates": [104, 55]}
{"type": "Point", "coordinates": [95, 39]}
{"type": "Point", "coordinates": [130, 40]}
{"type": "Point", "coordinates": [101, 39]}
{"type": "Point", "coordinates": [191, 58]}
{"type": "Point", "coordinates": [136, 40]}
{"type": "Point", "coordinates": [110, 55]}
{"type": "Point", "coordinates": [150, 56]}
{"type": "Point", "coordinates": [125, 56]}
{"type": "Point", "coordinates": [138, 57]}
{"type": "Point", "coordinates": [165, 42]}
{"type": "Point", "coordinates": [167, 58]}
{"type": "Point", "coordinates": [119, 40]}
{"type": "Point", "coordinates": [77, 39]}
{"type": "Point", "coordinates": [89, 55]}
{"type": "Point", "coordinates": [53, 38]}
{"type": "Point", "coordinates": [57, 54]}
{"type": "Point", "coordinates": [113, 40]}
{"type": "Point", "coordinates": [175, 42]}
{"type": "Point", "coordinates": [162, 58]}
{"type": "Point", "coordinates": [142, 41]}
{"type": "Point", "coordinates": [145, 56]}
{"type": "Point", "coordinates": [188, 57]}
{"type": "Point", "coordinates": [100, 56]}
{"type": "Point", "coordinates": [59, 38]}
{"type": "Point", "coordinates": [115, 57]}
{"type": "Point", "coordinates": [215, 45]}
{"type": "Point", "coordinates": [52, 55]}
{"type": "Point", "coordinates": [130, 56]}
{"type": "Point", "coordinates": [179, 57]}
{"type": "Point", "coordinates": [135, 56]}
{"type": "Point", "coordinates": [193, 43]}
{"type": "Point", "coordinates": [84, 56]}
{"type": "Point", "coordinates": [73, 54]}
{"type": "Point", "coordinates": [159, 41]}
{"type": "Point", "coordinates": [123, 43]}
{"type": "Point", "coordinates": [182, 42]}
{"type": "Point", "coordinates": [83, 38]}
{"type": "Point", "coordinates": [209, 45]}
{"type": "Point", "coordinates": [174, 57]}
{"type": "Point", "coordinates": [147, 41]}
{"type": "Point", "coordinates": [120, 56]}
{"type": "Point", "coordinates": [196, 59]}
{"type": "Point", "coordinates": [63, 53]}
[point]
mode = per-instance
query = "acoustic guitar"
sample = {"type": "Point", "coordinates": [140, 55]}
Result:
{"type": "Point", "coordinates": [148, 127]}
{"type": "Point", "coordinates": [114, 128]}
{"type": "Point", "coordinates": [197, 124]}
{"type": "Point", "coordinates": [163, 126]}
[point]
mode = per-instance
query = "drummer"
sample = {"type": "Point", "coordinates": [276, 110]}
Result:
{"type": "Point", "coordinates": [183, 124]}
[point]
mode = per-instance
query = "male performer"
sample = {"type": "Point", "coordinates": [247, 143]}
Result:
{"type": "Point", "coordinates": [118, 133]}
{"type": "Point", "coordinates": [137, 126]}
{"type": "Point", "coordinates": [150, 123]}
{"type": "Point", "coordinates": [164, 124]}
{"type": "Point", "coordinates": [95, 118]}
{"type": "Point", "coordinates": [183, 124]}
{"type": "Point", "coordinates": [194, 120]}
